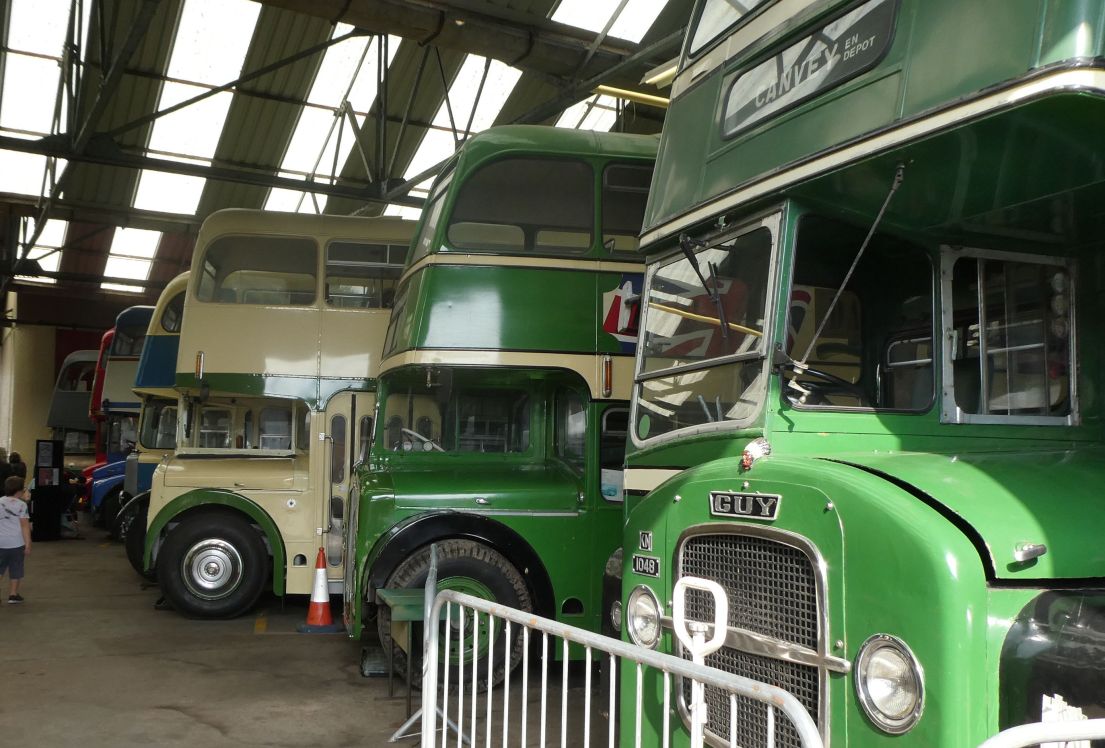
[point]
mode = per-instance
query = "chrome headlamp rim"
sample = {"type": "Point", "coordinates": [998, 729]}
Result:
{"type": "Point", "coordinates": [627, 616]}
{"type": "Point", "coordinates": [869, 647]}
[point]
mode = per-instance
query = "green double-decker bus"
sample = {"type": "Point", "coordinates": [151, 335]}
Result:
{"type": "Point", "coordinates": [866, 384]}
{"type": "Point", "coordinates": [504, 388]}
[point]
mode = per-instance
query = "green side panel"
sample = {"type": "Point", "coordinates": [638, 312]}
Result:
{"type": "Point", "coordinates": [507, 308]}
{"type": "Point", "coordinates": [215, 497]}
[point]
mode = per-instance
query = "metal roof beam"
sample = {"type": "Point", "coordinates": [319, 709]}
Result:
{"type": "Point", "coordinates": [104, 151]}
{"type": "Point", "coordinates": [529, 43]}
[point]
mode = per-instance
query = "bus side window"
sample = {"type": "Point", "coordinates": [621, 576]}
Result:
{"type": "Point", "coordinates": [571, 429]}
{"type": "Point", "coordinates": [337, 449]}
{"type": "Point", "coordinates": [362, 276]}
{"type": "Point", "coordinates": [365, 438]}
{"type": "Point", "coordinates": [612, 436]}
{"type": "Point", "coordinates": [624, 193]}
{"type": "Point", "coordinates": [259, 270]}
{"type": "Point", "coordinates": [275, 428]}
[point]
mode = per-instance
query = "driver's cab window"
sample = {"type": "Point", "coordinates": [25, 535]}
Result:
{"type": "Point", "coordinates": [421, 417]}
{"type": "Point", "coordinates": [866, 343]}
{"type": "Point", "coordinates": [275, 428]}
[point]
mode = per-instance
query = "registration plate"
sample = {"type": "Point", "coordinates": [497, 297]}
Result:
{"type": "Point", "coordinates": [646, 565]}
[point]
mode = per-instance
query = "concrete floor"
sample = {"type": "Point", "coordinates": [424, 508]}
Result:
{"type": "Point", "coordinates": [88, 661]}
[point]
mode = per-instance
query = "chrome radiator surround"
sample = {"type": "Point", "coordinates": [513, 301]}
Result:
{"type": "Point", "coordinates": [746, 649]}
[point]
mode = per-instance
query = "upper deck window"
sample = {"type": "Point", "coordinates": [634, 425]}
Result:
{"type": "Point", "coordinates": [128, 343]}
{"type": "Point", "coordinates": [363, 276]}
{"type": "Point", "coordinates": [716, 17]}
{"type": "Point", "coordinates": [77, 377]}
{"type": "Point", "coordinates": [173, 315]}
{"type": "Point", "coordinates": [523, 204]}
{"type": "Point", "coordinates": [1011, 350]}
{"type": "Point", "coordinates": [431, 215]}
{"type": "Point", "coordinates": [268, 270]}
{"type": "Point", "coordinates": [624, 194]}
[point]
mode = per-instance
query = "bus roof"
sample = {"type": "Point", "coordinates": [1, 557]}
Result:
{"type": "Point", "coordinates": [320, 227]}
{"type": "Point", "coordinates": [556, 140]}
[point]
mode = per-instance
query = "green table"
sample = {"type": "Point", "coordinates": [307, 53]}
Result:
{"type": "Point", "coordinates": [408, 607]}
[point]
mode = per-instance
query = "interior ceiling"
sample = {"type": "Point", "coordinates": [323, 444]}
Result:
{"type": "Point", "coordinates": [118, 76]}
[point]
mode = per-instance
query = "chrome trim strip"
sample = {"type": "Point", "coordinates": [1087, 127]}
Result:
{"type": "Point", "coordinates": [768, 646]}
{"type": "Point", "coordinates": [923, 124]}
{"type": "Point", "coordinates": [510, 513]}
{"type": "Point", "coordinates": [806, 546]}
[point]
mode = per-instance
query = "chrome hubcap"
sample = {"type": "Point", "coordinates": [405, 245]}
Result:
{"type": "Point", "coordinates": [212, 569]}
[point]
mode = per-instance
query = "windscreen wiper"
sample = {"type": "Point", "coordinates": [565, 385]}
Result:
{"type": "Point", "coordinates": [689, 245]}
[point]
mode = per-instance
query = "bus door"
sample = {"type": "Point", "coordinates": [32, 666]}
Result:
{"type": "Point", "coordinates": [340, 452]}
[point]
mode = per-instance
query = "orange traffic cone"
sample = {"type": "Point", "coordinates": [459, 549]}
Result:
{"type": "Point", "coordinates": [318, 614]}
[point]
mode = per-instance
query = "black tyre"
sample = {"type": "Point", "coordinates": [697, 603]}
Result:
{"type": "Point", "coordinates": [131, 522]}
{"type": "Point", "coordinates": [212, 565]}
{"type": "Point", "coordinates": [109, 508]}
{"type": "Point", "coordinates": [476, 569]}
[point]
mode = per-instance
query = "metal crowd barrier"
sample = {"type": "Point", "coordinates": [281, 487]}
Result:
{"type": "Point", "coordinates": [452, 712]}
{"type": "Point", "coordinates": [1057, 734]}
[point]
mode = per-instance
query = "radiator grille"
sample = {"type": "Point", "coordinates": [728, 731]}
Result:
{"type": "Point", "coordinates": [772, 591]}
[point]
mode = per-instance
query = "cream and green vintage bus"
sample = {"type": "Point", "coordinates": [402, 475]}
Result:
{"type": "Point", "coordinates": [285, 317]}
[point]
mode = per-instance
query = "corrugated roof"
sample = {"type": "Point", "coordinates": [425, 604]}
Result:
{"type": "Point", "coordinates": [265, 110]}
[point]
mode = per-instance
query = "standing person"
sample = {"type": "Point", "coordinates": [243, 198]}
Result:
{"type": "Point", "coordinates": [15, 535]}
{"type": "Point", "coordinates": [18, 467]}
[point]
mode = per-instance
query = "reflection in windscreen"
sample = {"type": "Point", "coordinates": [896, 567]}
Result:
{"type": "Point", "coordinates": [694, 317]}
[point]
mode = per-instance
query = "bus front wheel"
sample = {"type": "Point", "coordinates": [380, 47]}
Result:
{"type": "Point", "coordinates": [212, 566]}
{"type": "Point", "coordinates": [478, 570]}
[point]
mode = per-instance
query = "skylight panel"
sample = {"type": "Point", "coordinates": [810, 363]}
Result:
{"type": "Point", "coordinates": [194, 131]}
{"type": "Point", "coordinates": [501, 79]}
{"type": "Point", "coordinates": [212, 40]}
{"type": "Point", "coordinates": [438, 145]}
{"type": "Point", "coordinates": [321, 139]}
{"type": "Point", "coordinates": [39, 26]}
{"type": "Point", "coordinates": [30, 87]}
{"type": "Point", "coordinates": [599, 112]}
{"type": "Point", "coordinates": [168, 193]}
{"type": "Point", "coordinates": [47, 250]}
{"type": "Point", "coordinates": [21, 173]}
{"type": "Point", "coordinates": [631, 24]}
{"type": "Point", "coordinates": [131, 255]}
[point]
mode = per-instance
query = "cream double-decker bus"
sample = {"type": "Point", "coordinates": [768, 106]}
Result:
{"type": "Point", "coordinates": [284, 323]}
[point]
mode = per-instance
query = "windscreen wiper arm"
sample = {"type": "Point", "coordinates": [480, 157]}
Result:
{"type": "Point", "coordinates": [689, 245]}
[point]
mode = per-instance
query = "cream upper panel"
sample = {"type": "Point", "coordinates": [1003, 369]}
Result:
{"type": "Point", "coordinates": [271, 294]}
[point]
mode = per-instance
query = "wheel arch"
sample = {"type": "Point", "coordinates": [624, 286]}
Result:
{"type": "Point", "coordinates": [204, 500]}
{"type": "Point", "coordinates": [407, 538]}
